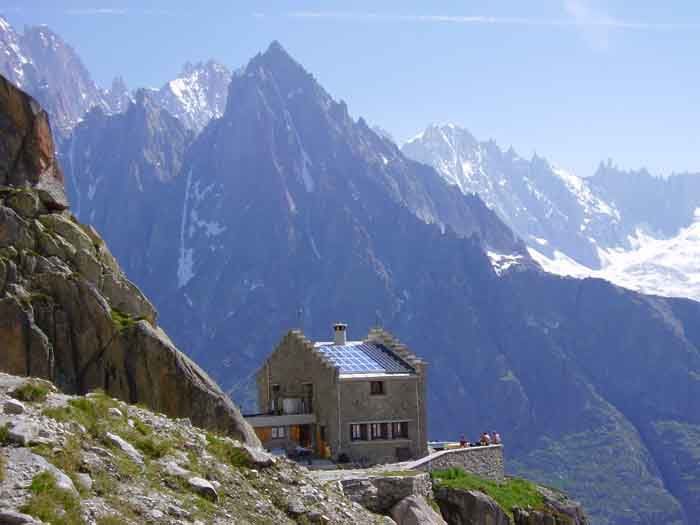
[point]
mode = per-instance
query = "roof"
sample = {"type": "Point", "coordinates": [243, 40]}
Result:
{"type": "Point", "coordinates": [363, 358]}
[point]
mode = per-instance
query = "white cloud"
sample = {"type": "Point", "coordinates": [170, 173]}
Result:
{"type": "Point", "coordinates": [580, 15]}
{"type": "Point", "coordinates": [97, 11]}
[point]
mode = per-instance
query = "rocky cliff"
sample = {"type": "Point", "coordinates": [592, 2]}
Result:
{"type": "Point", "coordinates": [67, 311]}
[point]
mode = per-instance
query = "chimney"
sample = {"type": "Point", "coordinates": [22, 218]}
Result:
{"type": "Point", "coordinates": [339, 331]}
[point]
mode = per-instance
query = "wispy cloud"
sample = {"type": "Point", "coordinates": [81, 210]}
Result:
{"type": "Point", "coordinates": [96, 11]}
{"type": "Point", "coordinates": [580, 16]}
{"type": "Point", "coordinates": [111, 11]}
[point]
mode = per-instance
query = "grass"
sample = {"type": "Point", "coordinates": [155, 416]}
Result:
{"type": "Point", "coordinates": [2, 467]}
{"type": "Point", "coordinates": [52, 504]}
{"type": "Point", "coordinates": [227, 452]}
{"type": "Point", "coordinates": [31, 391]}
{"type": "Point", "coordinates": [93, 414]}
{"type": "Point", "coordinates": [123, 321]}
{"type": "Point", "coordinates": [513, 492]}
{"type": "Point", "coordinates": [5, 434]}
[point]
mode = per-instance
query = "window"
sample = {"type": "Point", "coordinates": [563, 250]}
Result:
{"type": "Point", "coordinates": [376, 388]}
{"type": "Point", "coordinates": [358, 432]}
{"type": "Point", "coordinates": [399, 430]}
{"type": "Point", "coordinates": [278, 432]}
{"type": "Point", "coordinates": [308, 401]}
{"type": "Point", "coordinates": [379, 430]}
{"type": "Point", "coordinates": [275, 399]}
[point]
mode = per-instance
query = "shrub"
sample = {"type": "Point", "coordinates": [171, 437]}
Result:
{"type": "Point", "coordinates": [31, 391]}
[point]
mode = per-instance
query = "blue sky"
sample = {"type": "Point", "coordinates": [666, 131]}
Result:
{"type": "Point", "coordinates": [577, 81]}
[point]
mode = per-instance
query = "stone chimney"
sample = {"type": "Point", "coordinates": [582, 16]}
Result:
{"type": "Point", "coordinates": [340, 333]}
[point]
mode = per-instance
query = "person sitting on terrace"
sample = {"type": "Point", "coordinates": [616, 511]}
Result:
{"type": "Point", "coordinates": [495, 438]}
{"type": "Point", "coordinates": [463, 441]}
{"type": "Point", "coordinates": [485, 439]}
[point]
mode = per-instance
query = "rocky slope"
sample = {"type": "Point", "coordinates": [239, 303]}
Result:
{"type": "Point", "coordinates": [68, 312]}
{"type": "Point", "coordinates": [628, 227]}
{"type": "Point", "coordinates": [96, 460]}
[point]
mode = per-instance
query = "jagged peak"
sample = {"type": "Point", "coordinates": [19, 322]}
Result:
{"type": "Point", "coordinates": [5, 25]}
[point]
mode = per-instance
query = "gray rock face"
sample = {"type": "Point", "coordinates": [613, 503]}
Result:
{"type": "Point", "coordinates": [26, 148]}
{"type": "Point", "coordinates": [469, 507]}
{"type": "Point", "coordinates": [203, 487]}
{"type": "Point", "coordinates": [125, 447]}
{"type": "Point", "coordinates": [380, 493]}
{"type": "Point", "coordinates": [12, 406]}
{"type": "Point", "coordinates": [10, 517]}
{"type": "Point", "coordinates": [414, 510]}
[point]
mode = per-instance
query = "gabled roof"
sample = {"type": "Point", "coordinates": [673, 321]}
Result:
{"type": "Point", "coordinates": [362, 358]}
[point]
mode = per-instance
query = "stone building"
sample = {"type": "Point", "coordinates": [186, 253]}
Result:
{"type": "Point", "coordinates": [360, 400]}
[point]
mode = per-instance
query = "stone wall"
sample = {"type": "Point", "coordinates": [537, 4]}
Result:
{"type": "Point", "coordinates": [486, 462]}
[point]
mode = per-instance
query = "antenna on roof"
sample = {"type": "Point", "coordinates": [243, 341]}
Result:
{"type": "Point", "coordinates": [300, 318]}
{"type": "Point", "coordinates": [377, 319]}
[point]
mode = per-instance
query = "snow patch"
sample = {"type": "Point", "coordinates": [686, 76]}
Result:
{"type": "Point", "coordinates": [666, 267]}
{"type": "Point", "coordinates": [501, 262]}
{"type": "Point", "coordinates": [185, 263]}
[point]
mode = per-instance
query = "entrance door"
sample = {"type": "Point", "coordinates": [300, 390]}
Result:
{"type": "Point", "coordinates": [305, 436]}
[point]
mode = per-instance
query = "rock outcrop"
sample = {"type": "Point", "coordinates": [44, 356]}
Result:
{"type": "Point", "coordinates": [67, 311]}
{"type": "Point", "coordinates": [414, 510]}
{"type": "Point", "coordinates": [473, 507]}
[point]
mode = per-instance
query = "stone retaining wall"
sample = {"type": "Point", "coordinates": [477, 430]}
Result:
{"type": "Point", "coordinates": [486, 462]}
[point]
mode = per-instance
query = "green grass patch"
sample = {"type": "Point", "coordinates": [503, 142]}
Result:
{"type": "Point", "coordinates": [51, 504]}
{"type": "Point", "coordinates": [92, 413]}
{"type": "Point", "coordinates": [5, 434]}
{"type": "Point", "coordinates": [227, 452]}
{"type": "Point", "coordinates": [513, 492]}
{"type": "Point", "coordinates": [123, 321]}
{"type": "Point", "coordinates": [152, 447]}
{"type": "Point", "coordinates": [31, 391]}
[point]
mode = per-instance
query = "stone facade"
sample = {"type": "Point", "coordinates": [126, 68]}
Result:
{"type": "Point", "coordinates": [486, 462]}
{"type": "Point", "coordinates": [303, 376]}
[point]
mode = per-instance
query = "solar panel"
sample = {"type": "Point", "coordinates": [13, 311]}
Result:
{"type": "Point", "coordinates": [363, 358]}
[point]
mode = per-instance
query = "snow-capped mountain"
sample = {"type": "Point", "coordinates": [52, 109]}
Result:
{"type": "Point", "coordinates": [198, 95]}
{"type": "Point", "coordinates": [614, 225]}
{"type": "Point", "coordinates": [43, 64]}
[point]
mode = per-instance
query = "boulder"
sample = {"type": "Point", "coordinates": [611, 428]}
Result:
{"type": "Point", "coordinates": [204, 488]}
{"type": "Point", "coordinates": [10, 517]}
{"type": "Point", "coordinates": [469, 507]}
{"type": "Point", "coordinates": [23, 433]}
{"type": "Point", "coordinates": [13, 406]}
{"type": "Point", "coordinates": [414, 510]}
{"type": "Point", "coordinates": [126, 447]}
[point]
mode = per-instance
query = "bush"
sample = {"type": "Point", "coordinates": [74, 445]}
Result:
{"type": "Point", "coordinates": [31, 391]}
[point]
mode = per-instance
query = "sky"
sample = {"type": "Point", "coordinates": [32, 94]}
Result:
{"type": "Point", "coordinates": [575, 81]}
